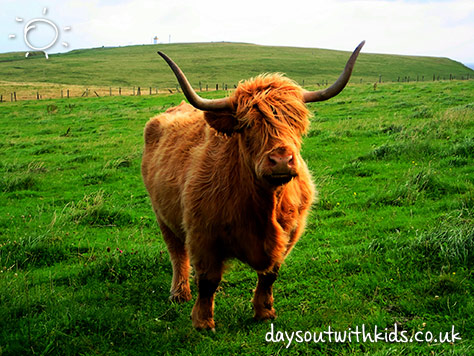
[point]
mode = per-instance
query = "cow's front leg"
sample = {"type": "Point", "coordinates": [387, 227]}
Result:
{"type": "Point", "coordinates": [209, 274]}
{"type": "Point", "coordinates": [263, 297]}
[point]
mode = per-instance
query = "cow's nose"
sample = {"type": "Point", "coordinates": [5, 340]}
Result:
{"type": "Point", "coordinates": [280, 163]}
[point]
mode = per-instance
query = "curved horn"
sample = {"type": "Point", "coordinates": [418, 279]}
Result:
{"type": "Point", "coordinates": [336, 88]}
{"type": "Point", "coordinates": [194, 99]}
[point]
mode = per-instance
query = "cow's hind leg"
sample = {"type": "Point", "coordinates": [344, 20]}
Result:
{"type": "Point", "coordinates": [180, 290]}
{"type": "Point", "coordinates": [263, 297]}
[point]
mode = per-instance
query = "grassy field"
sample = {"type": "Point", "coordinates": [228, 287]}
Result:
{"type": "Point", "coordinates": [83, 269]}
{"type": "Point", "coordinates": [216, 63]}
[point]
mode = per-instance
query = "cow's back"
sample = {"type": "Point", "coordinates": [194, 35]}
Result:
{"type": "Point", "coordinates": [170, 141]}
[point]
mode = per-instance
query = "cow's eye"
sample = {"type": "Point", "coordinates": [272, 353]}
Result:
{"type": "Point", "coordinates": [274, 111]}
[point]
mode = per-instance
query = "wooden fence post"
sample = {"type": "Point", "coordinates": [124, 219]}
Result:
{"type": "Point", "coordinates": [110, 91]}
{"type": "Point", "coordinates": [217, 87]}
{"type": "Point", "coordinates": [14, 95]}
{"type": "Point", "coordinates": [37, 96]}
{"type": "Point", "coordinates": [120, 91]}
{"type": "Point", "coordinates": [133, 91]}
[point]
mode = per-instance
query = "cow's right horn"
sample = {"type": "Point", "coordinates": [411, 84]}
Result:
{"type": "Point", "coordinates": [194, 99]}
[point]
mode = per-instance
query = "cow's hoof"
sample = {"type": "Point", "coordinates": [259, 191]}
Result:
{"type": "Point", "coordinates": [181, 297]}
{"type": "Point", "coordinates": [264, 314]}
{"type": "Point", "coordinates": [205, 325]}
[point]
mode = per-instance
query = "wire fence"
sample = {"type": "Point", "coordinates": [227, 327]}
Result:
{"type": "Point", "coordinates": [29, 92]}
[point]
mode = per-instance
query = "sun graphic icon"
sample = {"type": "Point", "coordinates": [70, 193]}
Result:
{"type": "Point", "coordinates": [32, 24]}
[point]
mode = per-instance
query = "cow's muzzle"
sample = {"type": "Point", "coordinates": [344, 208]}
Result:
{"type": "Point", "coordinates": [282, 168]}
{"type": "Point", "coordinates": [279, 179]}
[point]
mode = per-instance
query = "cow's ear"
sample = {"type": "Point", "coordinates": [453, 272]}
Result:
{"type": "Point", "coordinates": [223, 122]}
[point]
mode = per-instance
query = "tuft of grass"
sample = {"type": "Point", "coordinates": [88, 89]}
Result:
{"type": "Point", "coordinates": [465, 148]}
{"type": "Point", "coordinates": [423, 112]}
{"type": "Point", "coordinates": [401, 150]}
{"type": "Point", "coordinates": [33, 250]}
{"type": "Point", "coordinates": [94, 210]}
{"type": "Point", "coordinates": [18, 177]}
{"type": "Point", "coordinates": [445, 246]}
{"type": "Point", "coordinates": [15, 182]}
{"type": "Point", "coordinates": [356, 169]}
{"type": "Point", "coordinates": [420, 184]}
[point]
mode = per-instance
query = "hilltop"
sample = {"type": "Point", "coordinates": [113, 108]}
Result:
{"type": "Point", "coordinates": [212, 63]}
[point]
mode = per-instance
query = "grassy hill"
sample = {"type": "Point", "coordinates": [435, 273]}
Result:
{"type": "Point", "coordinates": [212, 63]}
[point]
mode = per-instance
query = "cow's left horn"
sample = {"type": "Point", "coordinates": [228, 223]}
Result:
{"type": "Point", "coordinates": [194, 99]}
{"type": "Point", "coordinates": [336, 88]}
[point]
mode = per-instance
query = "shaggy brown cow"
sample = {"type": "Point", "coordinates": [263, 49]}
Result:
{"type": "Point", "coordinates": [226, 180]}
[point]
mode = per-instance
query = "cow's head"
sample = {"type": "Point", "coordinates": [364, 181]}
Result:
{"type": "Point", "coordinates": [269, 115]}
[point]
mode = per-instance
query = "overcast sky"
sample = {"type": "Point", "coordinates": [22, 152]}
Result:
{"type": "Point", "coordinates": [443, 28]}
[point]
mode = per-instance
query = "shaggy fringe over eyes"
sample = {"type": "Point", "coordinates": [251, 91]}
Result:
{"type": "Point", "coordinates": [272, 101]}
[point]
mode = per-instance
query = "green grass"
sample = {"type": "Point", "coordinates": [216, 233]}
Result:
{"type": "Point", "coordinates": [83, 269]}
{"type": "Point", "coordinates": [217, 63]}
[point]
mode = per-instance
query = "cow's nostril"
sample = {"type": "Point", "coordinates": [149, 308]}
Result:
{"type": "Point", "coordinates": [272, 160]}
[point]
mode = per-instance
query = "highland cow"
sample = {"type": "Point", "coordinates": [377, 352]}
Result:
{"type": "Point", "coordinates": [226, 180]}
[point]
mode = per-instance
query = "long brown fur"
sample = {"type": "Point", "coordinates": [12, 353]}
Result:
{"type": "Point", "coordinates": [205, 176]}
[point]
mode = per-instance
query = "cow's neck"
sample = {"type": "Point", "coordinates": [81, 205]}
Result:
{"type": "Point", "coordinates": [244, 201]}
{"type": "Point", "coordinates": [239, 182]}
